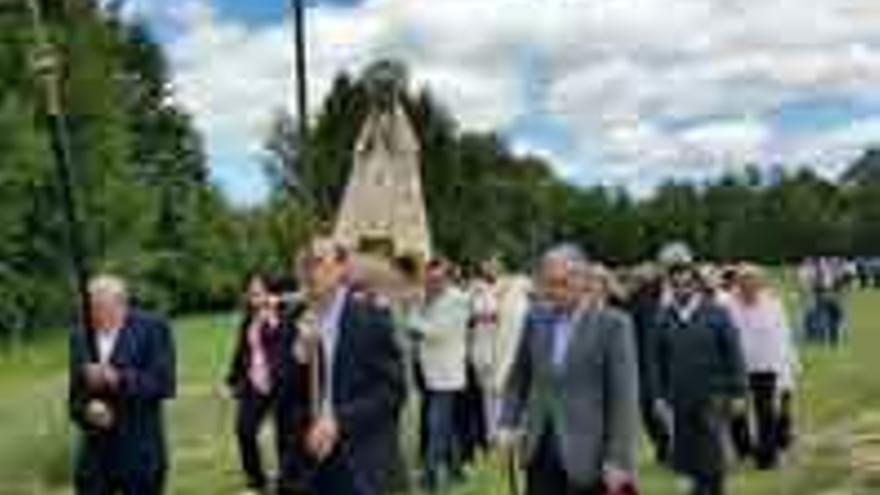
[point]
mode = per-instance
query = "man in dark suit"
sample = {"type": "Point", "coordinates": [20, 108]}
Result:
{"type": "Point", "coordinates": [575, 382]}
{"type": "Point", "coordinates": [698, 376]}
{"type": "Point", "coordinates": [644, 306]}
{"type": "Point", "coordinates": [121, 371]}
{"type": "Point", "coordinates": [351, 433]}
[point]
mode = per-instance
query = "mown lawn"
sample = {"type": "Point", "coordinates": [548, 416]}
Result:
{"type": "Point", "coordinates": [839, 399]}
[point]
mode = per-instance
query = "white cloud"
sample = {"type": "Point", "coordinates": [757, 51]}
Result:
{"type": "Point", "coordinates": [642, 85]}
{"type": "Point", "coordinates": [728, 143]}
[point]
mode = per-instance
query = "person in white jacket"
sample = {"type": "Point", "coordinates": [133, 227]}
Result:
{"type": "Point", "coordinates": [770, 357]}
{"type": "Point", "coordinates": [439, 324]}
{"type": "Point", "coordinates": [499, 304]}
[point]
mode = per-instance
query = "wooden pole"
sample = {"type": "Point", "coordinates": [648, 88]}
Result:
{"type": "Point", "coordinates": [48, 67]}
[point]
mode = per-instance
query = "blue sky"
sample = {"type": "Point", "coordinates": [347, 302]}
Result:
{"type": "Point", "coordinates": [600, 88]}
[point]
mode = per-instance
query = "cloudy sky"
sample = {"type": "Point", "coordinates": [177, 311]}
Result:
{"type": "Point", "coordinates": [627, 92]}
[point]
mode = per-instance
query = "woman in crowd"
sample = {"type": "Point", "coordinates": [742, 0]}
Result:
{"type": "Point", "coordinates": [770, 359]}
{"type": "Point", "coordinates": [253, 373]}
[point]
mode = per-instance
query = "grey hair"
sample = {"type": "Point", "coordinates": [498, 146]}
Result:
{"type": "Point", "coordinates": [108, 285]}
{"type": "Point", "coordinates": [568, 252]}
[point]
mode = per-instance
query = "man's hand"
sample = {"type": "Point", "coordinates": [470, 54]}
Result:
{"type": "Point", "coordinates": [94, 377]}
{"type": "Point", "coordinates": [663, 411]}
{"type": "Point", "coordinates": [506, 439]}
{"type": "Point", "coordinates": [323, 437]}
{"type": "Point", "coordinates": [506, 442]}
{"type": "Point", "coordinates": [308, 340]}
{"type": "Point", "coordinates": [616, 479]}
{"type": "Point", "coordinates": [99, 414]}
{"type": "Point", "coordinates": [739, 406]}
{"type": "Point", "coordinates": [730, 406]}
{"type": "Point", "coordinates": [102, 377]}
{"type": "Point", "coordinates": [111, 376]}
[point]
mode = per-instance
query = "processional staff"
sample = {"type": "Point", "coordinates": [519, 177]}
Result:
{"type": "Point", "coordinates": [48, 67]}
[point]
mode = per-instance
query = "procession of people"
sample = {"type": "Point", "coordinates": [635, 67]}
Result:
{"type": "Point", "coordinates": [556, 375]}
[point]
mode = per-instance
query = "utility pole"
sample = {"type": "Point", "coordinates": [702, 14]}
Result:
{"type": "Point", "coordinates": [301, 80]}
{"type": "Point", "coordinates": [301, 66]}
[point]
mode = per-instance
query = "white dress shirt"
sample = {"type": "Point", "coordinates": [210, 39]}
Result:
{"type": "Point", "coordinates": [106, 342]}
{"type": "Point", "coordinates": [329, 322]}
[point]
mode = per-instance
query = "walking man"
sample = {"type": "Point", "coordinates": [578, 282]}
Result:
{"type": "Point", "coordinates": [440, 326]}
{"type": "Point", "coordinates": [698, 376]}
{"type": "Point", "coordinates": [574, 383]}
{"type": "Point", "coordinates": [121, 372]}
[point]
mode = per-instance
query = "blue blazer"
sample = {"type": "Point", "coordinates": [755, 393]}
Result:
{"type": "Point", "coordinates": [369, 389]}
{"type": "Point", "coordinates": [145, 357]}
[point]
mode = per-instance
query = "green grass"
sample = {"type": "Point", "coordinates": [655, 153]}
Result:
{"type": "Point", "coordinates": [839, 398]}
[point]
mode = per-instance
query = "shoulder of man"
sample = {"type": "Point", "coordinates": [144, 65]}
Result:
{"type": "Point", "coordinates": [663, 312]}
{"type": "Point", "coordinates": [615, 318]}
{"type": "Point", "coordinates": [535, 313]}
{"type": "Point", "coordinates": [147, 320]}
{"type": "Point", "coordinates": [716, 310]}
{"type": "Point", "coordinates": [458, 295]}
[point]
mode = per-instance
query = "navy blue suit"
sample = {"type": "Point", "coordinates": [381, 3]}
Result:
{"type": "Point", "coordinates": [369, 389]}
{"type": "Point", "coordinates": [129, 457]}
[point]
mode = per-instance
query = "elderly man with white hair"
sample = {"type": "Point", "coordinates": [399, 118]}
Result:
{"type": "Point", "coordinates": [122, 369]}
{"type": "Point", "coordinates": [573, 386]}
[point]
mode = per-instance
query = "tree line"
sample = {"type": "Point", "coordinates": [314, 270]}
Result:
{"type": "Point", "coordinates": [153, 214]}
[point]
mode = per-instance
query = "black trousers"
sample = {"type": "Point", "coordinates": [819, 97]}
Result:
{"type": "Point", "coordinates": [765, 430]}
{"type": "Point", "coordinates": [106, 483]}
{"type": "Point", "coordinates": [698, 445]}
{"type": "Point", "coordinates": [657, 431]}
{"type": "Point", "coordinates": [708, 485]}
{"type": "Point", "coordinates": [786, 422]}
{"type": "Point", "coordinates": [291, 418]}
{"type": "Point", "coordinates": [766, 418]}
{"type": "Point", "coordinates": [545, 474]}
{"type": "Point", "coordinates": [741, 435]}
{"type": "Point", "coordinates": [334, 476]}
{"type": "Point", "coordinates": [470, 418]}
{"type": "Point", "coordinates": [254, 409]}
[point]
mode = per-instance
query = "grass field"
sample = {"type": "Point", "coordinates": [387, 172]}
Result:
{"type": "Point", "coordinates": [839, 400]}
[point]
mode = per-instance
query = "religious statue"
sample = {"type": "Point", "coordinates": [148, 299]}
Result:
{"type": "Point", "coordinates": [383, 208]}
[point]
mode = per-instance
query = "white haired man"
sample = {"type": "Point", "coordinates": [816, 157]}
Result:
{"type": "Point", "coordinates": [575, 382]}
{"type": "Point", "coordinates": [122, 369]}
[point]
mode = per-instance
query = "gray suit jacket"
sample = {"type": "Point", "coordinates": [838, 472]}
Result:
{"type": "Point", "coordinates": [591, 402]}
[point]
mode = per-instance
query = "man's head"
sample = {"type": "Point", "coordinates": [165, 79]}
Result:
{"type": "Point", "coordinates": [491, 269]}
{"type": "Point", "coordinates": [437, 275]}
{"type": "Point", "coordinates": [108, 302]}
{"type": "Point", "coordinates": [728, 278]}
{"type": "Point", "coordinates": [685, 281]}
{"type": "Point", "coordinates": [325, 267]}
{"type": "Point", "coordinates": [561, 276]}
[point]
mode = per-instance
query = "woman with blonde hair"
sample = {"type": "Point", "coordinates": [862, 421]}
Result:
{"type": "Point", "coordinates": [770, 357]}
